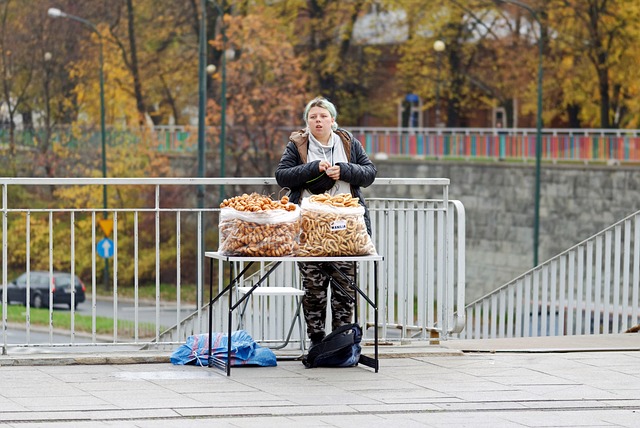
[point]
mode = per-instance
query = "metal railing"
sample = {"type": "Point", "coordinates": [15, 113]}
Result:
{"type": "Point", "coordinates": [514, 144]}
{"type": "Point", "coordinates": [421, 284]}
{"type": "Point", "coordinates": [558, 145]}
{"type": "Point", "coordinates": [592, 288]}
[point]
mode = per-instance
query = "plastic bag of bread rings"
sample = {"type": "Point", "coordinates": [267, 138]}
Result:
{"type": "Point", "coordinates": [270, 232]}
{"type": "Point", "coordinates": [333, 226]}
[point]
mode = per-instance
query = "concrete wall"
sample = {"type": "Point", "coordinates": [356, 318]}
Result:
{"type": "Point", "coordinates": [576, 202]}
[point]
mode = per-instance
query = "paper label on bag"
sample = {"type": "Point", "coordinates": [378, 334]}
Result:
{"type": "Point", "coordinates": [339, 225]}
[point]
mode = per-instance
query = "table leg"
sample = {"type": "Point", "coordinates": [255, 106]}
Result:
{"type": "Point", "coordinates": [375, 312]}
{"type": "Point", "coordinates": [212, 361]}
{"type": "Point", "coordinates": [210, 358]}
{"type": "Point", "coordinates": [231, 281]}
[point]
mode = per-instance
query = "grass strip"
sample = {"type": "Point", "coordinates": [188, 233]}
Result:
{"type": "Point", "coordinates": [82, 323]}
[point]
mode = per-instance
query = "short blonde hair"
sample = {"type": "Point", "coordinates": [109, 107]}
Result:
{"type": "Point", "coordinates": [324, 103]}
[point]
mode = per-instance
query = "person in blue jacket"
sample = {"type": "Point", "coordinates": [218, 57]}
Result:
{"type": "Point", "coordinates": [323, 158]}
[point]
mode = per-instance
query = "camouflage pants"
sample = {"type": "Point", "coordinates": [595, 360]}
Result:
{"type": "Point", "coordinates": [316, 287]}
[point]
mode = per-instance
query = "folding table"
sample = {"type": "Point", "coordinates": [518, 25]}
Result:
{"type": "Point", "coordinates": [276, 261]}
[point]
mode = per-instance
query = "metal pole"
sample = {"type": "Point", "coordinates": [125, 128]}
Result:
{"type": "Point", "coordinates": [103, 142]}
{"type": "Point", "coordinates": [536, 218]}
{"type": "Point", "coordinates": [438, 60]}
{"type": "Point", "coordinates": [223, 111]}
{"type": "Point", "coordinates": [103, 136]}
{"type": "Point", "coordinates": [536, 223]}
{"type": "Point", "coordinates": [439, 47]}
{"type": "Point", "coordinates": [223, 93]}
{"type": "Point", "coordinates": [202, 94]}
{"type": "Point", "coordinates": [202, 105]}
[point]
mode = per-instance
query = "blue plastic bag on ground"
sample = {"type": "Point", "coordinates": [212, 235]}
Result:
{"type": "Point", "coordinates": [244, 350]}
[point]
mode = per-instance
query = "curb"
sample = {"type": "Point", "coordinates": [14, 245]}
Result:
{"type": "Point", "coordinates": [88, 359]}
{"type": "Point", "coordinates": [164, 357]}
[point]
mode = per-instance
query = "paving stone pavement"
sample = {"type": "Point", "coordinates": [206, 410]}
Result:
{"type": "Point", "coordinates": [566, 382]}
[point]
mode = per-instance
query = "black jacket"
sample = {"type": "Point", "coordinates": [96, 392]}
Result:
{"type": "Point", "coordinates": [294, 172]}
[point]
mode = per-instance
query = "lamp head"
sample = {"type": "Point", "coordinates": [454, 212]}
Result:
{"type": "Point", "coordinates": [438, 46]}
{"type": "Point", "coordinates": [55, 13]}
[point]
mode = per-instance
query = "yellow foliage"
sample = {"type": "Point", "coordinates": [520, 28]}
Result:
{"type": "Point", "coordinates": [120, 106]}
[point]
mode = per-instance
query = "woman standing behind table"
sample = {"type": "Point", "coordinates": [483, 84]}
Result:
{"type": "Point", "coordinates": [324, 158]}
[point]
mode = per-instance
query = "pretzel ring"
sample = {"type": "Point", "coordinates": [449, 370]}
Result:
{"type": "Point", "coordinates": [331, 246]}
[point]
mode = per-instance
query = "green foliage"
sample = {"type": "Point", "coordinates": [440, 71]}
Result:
{"type": "Point", "coordinates": [59, 237]}
{"type": "Point", "coordinates": [287, 51]}
{"type": "Point", "coordinates": [594, 45]}
{"type": "Point", "coordinates": [264, 68]}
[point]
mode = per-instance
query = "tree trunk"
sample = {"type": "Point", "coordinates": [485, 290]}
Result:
{"type": "Point", "coordinates": [603, 86]}
{"type": "Point", "coordinates": [137, 86]}
{"type": "Point", "coordinates": [573, 112]}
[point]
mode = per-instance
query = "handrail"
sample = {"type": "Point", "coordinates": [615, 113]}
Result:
{"type": "Point", "coordinates": [591, 288]}
{"type": "Point", "coordinates": [267, 181]}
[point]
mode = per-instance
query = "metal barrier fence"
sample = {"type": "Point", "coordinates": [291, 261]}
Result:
{"type": "Point", "coordinates": [558, 145]}
{"type": "Point", "coordinates": [421, 284]}
{"type": "Point", "coordinates": [592, 288]}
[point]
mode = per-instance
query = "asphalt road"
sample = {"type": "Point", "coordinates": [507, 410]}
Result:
{"type": "Point", "coordinates": [168, 314]}
{"type": "Point", "coordinates": [15, 335]}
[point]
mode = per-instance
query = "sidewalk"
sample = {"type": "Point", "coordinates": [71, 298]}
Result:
{"type": "Point", "coordinates": [550, 382]}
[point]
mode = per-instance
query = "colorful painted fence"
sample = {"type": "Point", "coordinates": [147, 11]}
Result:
{"type": "Point", "coordinates": [516, 144]}
{"type": "Point", "coordinates": [558, 145]}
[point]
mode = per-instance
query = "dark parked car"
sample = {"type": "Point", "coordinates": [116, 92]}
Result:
{"type": "Point", "coordinates": [39, 294]}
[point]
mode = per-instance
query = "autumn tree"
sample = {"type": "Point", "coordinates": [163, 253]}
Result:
{"type": "Point", "coordinates": [48, 97]}
{"type": "Point", "coordinates": [338, 65]}
{"type": "Point", "coordinates": [265, 90]}
{"type": "Point", "coordinates": [511, 65]}
{"type": "Point", "coordinates": [157, 45]}
{"type": "Point", "coordinates": [595, 42]}
{"type": "Point", "coordinates": [16, 64]}
{"type": "Point", "coordinates": [466, 72]}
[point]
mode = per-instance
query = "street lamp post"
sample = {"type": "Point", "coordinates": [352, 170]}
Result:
{"type": "Point", "coordinates": [536, 220]}
{"type": "Point", "coordinates": [202, 94]}
{"type": "Point", "coordinates": [223, 104]}
{"type": "Point", "coordinates": [57, 13]}
{"type": "Point", "coordinates": [439, 47]}
{"type": "Point", "coordinates": [202, 86]}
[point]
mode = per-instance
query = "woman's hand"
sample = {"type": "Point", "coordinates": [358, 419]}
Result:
{"type": "Point", "coordinates": [324, 165]}
{"type": "Point", "coordinates": [333, 172]}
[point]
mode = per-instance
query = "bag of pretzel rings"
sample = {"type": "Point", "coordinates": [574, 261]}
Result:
{"type": "Point", "coordinates": [333, 226]}
{"type": "Point", "coordinates": [255, 225]}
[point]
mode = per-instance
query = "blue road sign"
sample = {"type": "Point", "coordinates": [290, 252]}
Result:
{"type": "Point", "coordinates": [105, 248]}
